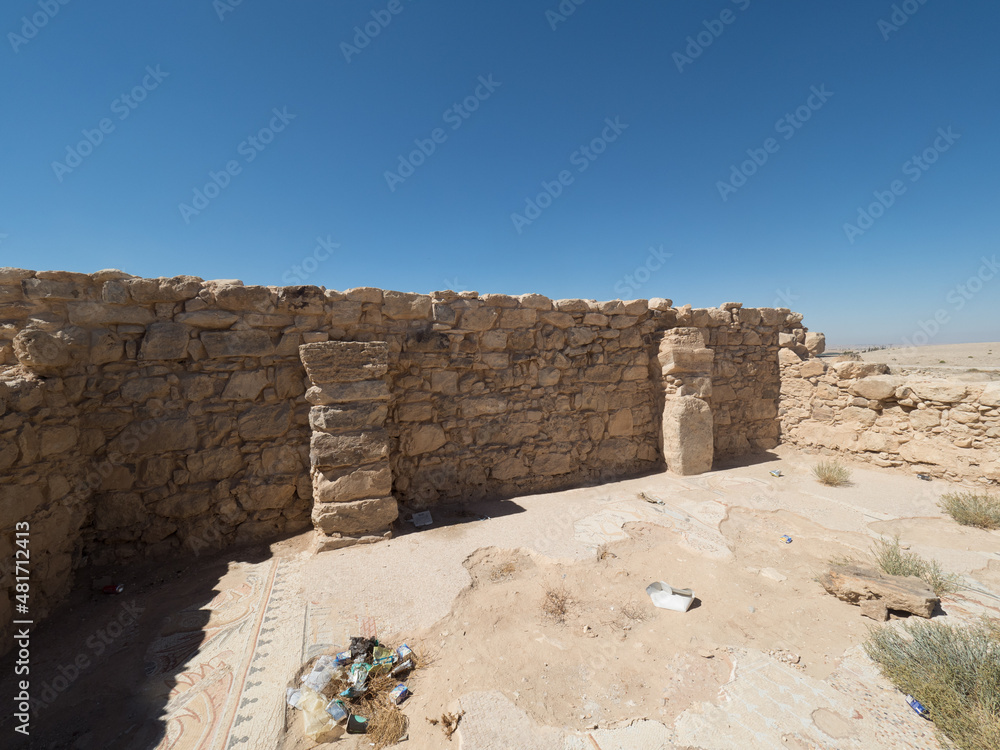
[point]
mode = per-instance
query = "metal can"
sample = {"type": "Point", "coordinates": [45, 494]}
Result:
{"type": "Point", "coordinates": [114, 588]}
{"type": "Point", "coordinates": [917, 706]}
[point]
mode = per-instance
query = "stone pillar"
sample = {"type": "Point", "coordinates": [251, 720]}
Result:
{"type": "Point", "coordinates": [349, 450]}
{"type": "Point", "coordinates": [686, 367]}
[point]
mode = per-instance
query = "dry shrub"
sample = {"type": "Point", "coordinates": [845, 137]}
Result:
{"type": "Point", "coordinates": [953, 671]}
{"type": "Point", "coordinates": [555, 604]}
{"type": "Point", "coordinates": [892, 559]}
{"type": "Point", "coordinates": [448, 722]}
{"type": "Point", "coordinates": [832, 473]}
{"type": "Point", "coordinates": [973, 509]}
{"type": "Point", "coordinates": [633, 612]}
{"type": "Point", "coordinates": [603, 552]}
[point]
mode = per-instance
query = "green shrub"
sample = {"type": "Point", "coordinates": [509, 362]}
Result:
{"type": "Point", "coordinates": [954, 671]}
{"type": "Point", "coordinates": [972, 509]}
{"type": "Point", "coordinates": [832, 473]}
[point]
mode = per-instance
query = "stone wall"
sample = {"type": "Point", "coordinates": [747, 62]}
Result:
{"type": "Point", "coordinates": [944, 428]}
{"type": "Point", "coordinates": [149, 416]}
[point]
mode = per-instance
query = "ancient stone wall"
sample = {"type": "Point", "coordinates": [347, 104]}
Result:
{"type": "Point", "coordinates": [943, 428]}
{"type": "Point", "coordinates": [149, 416]}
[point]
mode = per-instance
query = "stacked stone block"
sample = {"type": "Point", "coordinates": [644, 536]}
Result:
{"type": "Point", "coordinates": [686, 370]}
{"type": "Point", "coordinates": [349, 449]}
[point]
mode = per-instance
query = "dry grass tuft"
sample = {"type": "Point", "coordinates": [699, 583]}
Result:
{"type": "Point", "coordinates": [633, 612]}
{"type": "Point", "coordinates": [892, 559]}
{"type": "Point", "coordinates": [556, 603]}
{"type": "Point", "coordinates": [953, 671]}
{"type": "Point", "coordinates": [973, 508]}
{"type": "Point", "coordinates": [832, 473]}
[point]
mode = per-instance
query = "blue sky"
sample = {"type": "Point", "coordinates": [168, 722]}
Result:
{"type": "Point", "coordinates": [706, 152]}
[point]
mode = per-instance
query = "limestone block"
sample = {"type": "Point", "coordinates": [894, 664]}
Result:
{"type": "Point", "coordinates": [244, 298]}
{"type": "Point", "coordinates": [687, 435]}
{"type": "Point", "coordinates": [155, 436]}
{"type": "Point", "coordinates": [354, 485]}
{"type": "Point", "coordinates": [348, 417]}
{"type": "Point", "coordinates": [877, 388]}
{"type": "Point", "coordinates": [267, 496]}
{"type": "Point", "coordinates": [990, 395]}
{"type": "Point", "coordinates": [105, 346]}
{"type": "Point", "coordinates": [143, 389]}
{"type": "Point", "coordinates": [184, 505]}
{"type": "Point", "coordinates": [41, 352]}
{"type": "Point", "coordinates": [478, 319]}
{"type": "Point", "coordinates": [558, 319]}
{"type": "Point", "coordinates": [210, 319]}
{"type": "Point", "coordinates": [404, 306]}
{"type": "Point", "coordinates": [14, 276]}
{"type": "Point", "coordinates": [551, 464]}
{"type": "Point", "coordinates": [237, 344]}
{"type": "Point", "coordinates": [346, 314]}
{"type": "Point", "coordinates": [55, 441]}
{"type": "Point", "coordinates": [620, 424]}
{"type": "Point", "coordinates": [942, 391]}
{"type": "Point", "coordinates": [923, 420]}
{"type": "Point", "coordinates": [117, 510]}
{"type": "Point", "coordinates": [877, 592]}
{"type": "Point", "coordinates": [215, 464]}
{"type": "Point", "coordinates": [345, 393]}
{"type": "Point", "coordinates": [39, 289]}
{"type": "Point", "coordinates": [344, 361]}
{"type": "Point", "coordinates": [509, 468]}
{"type": "Point", "coordinates": [535, 301]}
{"type": "Point", "coordinates": [424, 439]}
{"type": "Point", "coordinates": [18, 502]}
{"type": "Point", "coordinates": [788, 357]}
{"type": "Point", "coordinates": [355, 517]}
{"type": "Point", "coordinates": [176, 289]}
{"type": "Point", "coordinates": [350, 449]}
{"type": "Point", "coordinates": [850, 370]}
{"type": "Point", "coordinates": [815, 343]}
{"type": "Point", "coordinates": [580, 336]}
{"type": "Point", "coordinates": [265, 422]}
{"type": "Point", "coordinates": [811, 368]}
{"type": "Point", "coordinates": [301, 300]}
{"type": "Point", "coordinates": [245, 386]}
{"type": "Point", "coordinates": [154, 472]}
{"type": "Point", "coordinates": [165, 341]}
{"type": "Point", "coordinates": [282, 459]}
{"type": "Point", "coordinates": [477, 407]}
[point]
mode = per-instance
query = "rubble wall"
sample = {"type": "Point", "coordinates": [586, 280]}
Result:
{"type": "Point", "coordinates": [154, 416]}
{"type": "Point", "coordinates": [945, 428]}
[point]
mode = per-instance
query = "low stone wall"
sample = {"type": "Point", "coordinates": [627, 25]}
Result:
{"type": "Point", "coordinates": [943, 428]}
{"type": "Point", "coordinates": [143, 417]}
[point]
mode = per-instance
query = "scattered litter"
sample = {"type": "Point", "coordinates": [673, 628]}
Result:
{"type": "Point", "coordinates": [114, 588]}
{"type": "Point", "coordinates": [423, 518]}
{"type": "Point", "coordinates": [775, 473]}
{"type": "Point", "coordinates": [925, 477]}
{"type": "Point", "coordinates": [786, 539]}
{"type": "Point", "coordinates": [353, 692]}
{"type": "Point", "coordinates": [666, 596]}
{"type": "Point", "coordinates": [399, 694]}
{"type": "Point", "coordinates": [751, 609]}
{"type": "Point", "coordinates": [705, 654]}
{"type": "Point", "coordinates": [653, 500]}
{"type": "Point", "coordinates": [917, 706]}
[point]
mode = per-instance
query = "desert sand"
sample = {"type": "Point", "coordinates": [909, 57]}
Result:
{"type": "Point", "coordinates": [967, 362]}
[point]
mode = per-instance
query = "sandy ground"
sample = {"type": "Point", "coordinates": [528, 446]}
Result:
{"type": "Point", "coordinates": [764, 659]}
{"type": "Point", "coordinates": [967, 362]}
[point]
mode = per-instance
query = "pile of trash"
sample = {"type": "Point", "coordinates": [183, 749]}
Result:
{"type": "Point", "coordinates": [357, 691]}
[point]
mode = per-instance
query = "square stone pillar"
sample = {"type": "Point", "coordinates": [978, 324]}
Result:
{"type": "Point", "coordinates": [688, 428]}
{"type": "Point", "coordinates": [349, 449]}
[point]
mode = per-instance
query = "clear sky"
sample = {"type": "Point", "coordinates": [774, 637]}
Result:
{"type": "Point", "coordinates": [701, 151]}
